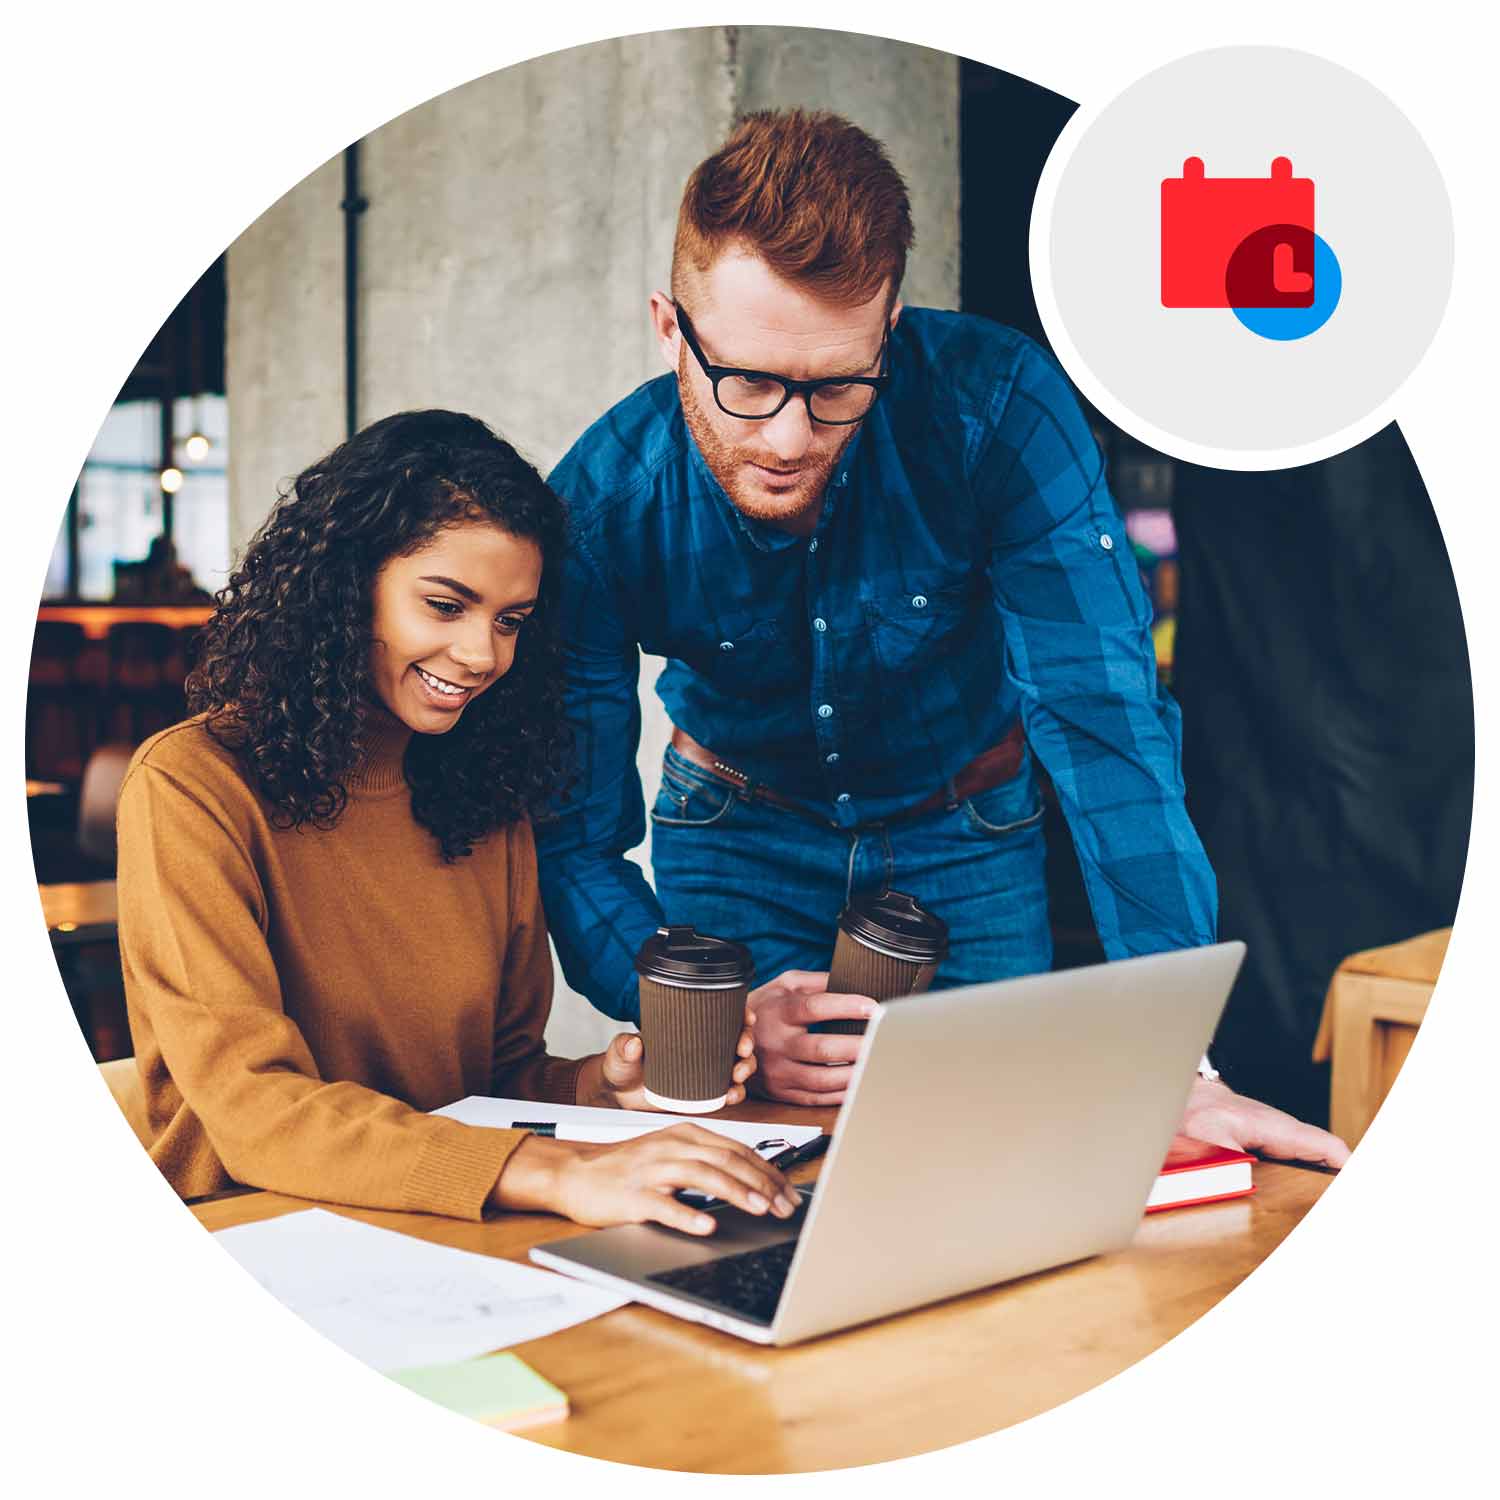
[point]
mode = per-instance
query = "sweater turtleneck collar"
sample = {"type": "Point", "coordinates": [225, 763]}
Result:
{"type": "Point", "coordinates": [380, 766]}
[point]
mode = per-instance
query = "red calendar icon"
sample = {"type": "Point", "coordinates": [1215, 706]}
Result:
{"type": "Point", "coordinates": [1237, 241]}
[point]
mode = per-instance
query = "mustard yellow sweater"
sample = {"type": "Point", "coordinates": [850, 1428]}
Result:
{"type": "Point", "coordinates": [299, 998]}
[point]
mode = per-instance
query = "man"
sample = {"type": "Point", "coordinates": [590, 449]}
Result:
{"type": "Point", "coordinates": [878, 551]}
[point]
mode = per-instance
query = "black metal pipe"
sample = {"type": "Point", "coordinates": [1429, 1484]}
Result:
{"type": "Point", "coordinates": [353, 205]}
{"type": "Point", "coordinates": [169, 430]}
{"type": "Point", "coordinates": [71, 588]}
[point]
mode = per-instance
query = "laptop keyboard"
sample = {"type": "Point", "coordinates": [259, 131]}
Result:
{"type": "Point", "coordinates": [748, 1284]}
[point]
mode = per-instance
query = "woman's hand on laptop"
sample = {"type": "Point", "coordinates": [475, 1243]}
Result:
{"type": "Point", "coordinates": [796, 1065]}
{"type": "Point", "coordinates": [633, 1182]}
{"type": "Point", "coordinates": [1216, 1114]}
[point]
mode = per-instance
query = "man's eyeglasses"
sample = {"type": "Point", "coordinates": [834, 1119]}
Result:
{"type": "Point", "coordinates": [754, 395]}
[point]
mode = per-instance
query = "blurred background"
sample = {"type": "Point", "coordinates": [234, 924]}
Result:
{"type": "Point", "coordinates": [493, 251]}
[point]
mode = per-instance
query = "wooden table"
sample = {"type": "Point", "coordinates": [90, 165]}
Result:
{"type": "Point", "coordinates": [650, 1389]}
{"type": "Point", "coordinates": [1370, 1018]}
{"type": "Point", "coordinates": [80, 911]}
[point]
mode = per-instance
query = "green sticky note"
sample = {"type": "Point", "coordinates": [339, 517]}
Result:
{"type": "Point", "coordinates": [500, 1390]}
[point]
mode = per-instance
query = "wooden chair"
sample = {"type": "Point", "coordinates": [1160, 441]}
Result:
{"type": "Point", "coordinates": [1370, 1018]}
{"type": "Point", "coordinates": [145, 680]}
{"type": "Point", "coordinates": [124, 1083]}
{"type": "Point", "coordinates": [57, 737]}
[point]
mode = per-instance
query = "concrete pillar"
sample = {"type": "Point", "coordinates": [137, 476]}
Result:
{"type": "Point", "coordinates": [284, 366]}
{"type": "Point", "coordinates": [516, 227]}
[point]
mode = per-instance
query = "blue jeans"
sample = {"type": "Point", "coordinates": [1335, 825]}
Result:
{"type": "Point", "coordinates": [777, 882]}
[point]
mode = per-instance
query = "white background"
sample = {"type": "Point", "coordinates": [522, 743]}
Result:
{"type": "Point", "coordinates": [139, 141]}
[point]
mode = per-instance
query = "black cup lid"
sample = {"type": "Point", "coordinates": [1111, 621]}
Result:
{"type": "Point", "coordinates": [893, 922]}
{"type": "Point", "coordinates": [683, 955]}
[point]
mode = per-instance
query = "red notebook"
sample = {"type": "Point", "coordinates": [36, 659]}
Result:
{"type": "Point", "coordinates": [1195, 1172]}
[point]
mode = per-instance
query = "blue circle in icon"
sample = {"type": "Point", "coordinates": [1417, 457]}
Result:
{"type": "Point", "coordinates": [1297, 322]}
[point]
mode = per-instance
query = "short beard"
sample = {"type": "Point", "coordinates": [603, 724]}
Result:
{"type": "Point", "coordinates": [724, 462]}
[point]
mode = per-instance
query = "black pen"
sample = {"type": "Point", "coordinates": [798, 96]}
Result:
{"type": "Point", "coordinates": [796, 1155]}
{"type": "Point", "coordinates": [793, 1156]}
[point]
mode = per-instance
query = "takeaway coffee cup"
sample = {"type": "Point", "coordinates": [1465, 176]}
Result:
{"type": "Point", "coordinates": [693, 990]}
{"type": "Point", "coordinates": [887, 947]}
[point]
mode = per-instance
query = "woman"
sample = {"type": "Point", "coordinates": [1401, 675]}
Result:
{"type": "Point", "coordinates": [329, 916]}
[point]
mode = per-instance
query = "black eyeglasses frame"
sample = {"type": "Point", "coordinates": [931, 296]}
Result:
{"type": "Point", "coordinates": [790, 388]}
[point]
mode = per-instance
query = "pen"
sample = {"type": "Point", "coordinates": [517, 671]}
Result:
{"type": "Point", "coordinates": [606, 1135]}
{"type": "Point", "coordinates": [797, 1155]}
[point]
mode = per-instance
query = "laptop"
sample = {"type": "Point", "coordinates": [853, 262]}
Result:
{"type": "Point", "coordinates": [989, 1132]}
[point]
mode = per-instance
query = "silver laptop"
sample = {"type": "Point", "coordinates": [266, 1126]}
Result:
{"type": "Point", "coordinates": [989, 1132]}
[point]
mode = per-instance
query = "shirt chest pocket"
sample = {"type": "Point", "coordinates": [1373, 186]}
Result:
{"type": "Point", "coordinates": [752, 662]}
{"type": "Point", "coordinates": [912, 628]}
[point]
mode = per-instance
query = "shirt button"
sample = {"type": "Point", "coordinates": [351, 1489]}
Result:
{"type": "Point", "coordinates": [812, 546]}
{"type": "Point", "coordinates": [726, 645]}
{"type": "Point", "coordinates": [1107, 542]}
{"type": "Point", "coordinates": [820, 624]}
{"type": "Point", "coordinates": [844, 477]}
{"type": "Point", "coordinates": [842, 797]}
{"type": "Point", "coordinates": [825, 710]}
{"type": "Point", "coordinates": [919, 601]}
{"type": "Point", "coordinates": [832, 759]}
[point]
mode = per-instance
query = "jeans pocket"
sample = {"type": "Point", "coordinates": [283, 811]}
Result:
{"type": "Point", "coordinates": [1009, 808]}
{"type": "Point", "coordinates": [687, 800]}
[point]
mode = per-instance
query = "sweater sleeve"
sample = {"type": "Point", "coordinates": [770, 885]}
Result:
{"type": "Point", "coordinates": [523, 1069]}
{"type": "Point", "coordinates": [203, 992]}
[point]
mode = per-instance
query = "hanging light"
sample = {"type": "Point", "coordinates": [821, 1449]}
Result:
{"type": "Point", "coordinates": [171, 480]}
{"type": "Point", "coordinates": [197, 443]}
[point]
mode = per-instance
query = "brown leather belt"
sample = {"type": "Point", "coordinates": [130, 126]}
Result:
{"type": "Point", "coordinates": [988, 769]}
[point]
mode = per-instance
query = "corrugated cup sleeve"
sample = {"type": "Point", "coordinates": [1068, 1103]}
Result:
{"type": "Point", "coordinates": [858, 970]}
{"type": "Point", "coordinates": [690, 1038]}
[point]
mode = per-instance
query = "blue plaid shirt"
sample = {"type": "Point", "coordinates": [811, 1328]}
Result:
{"type": "Point", "coordinates": [969, 566]}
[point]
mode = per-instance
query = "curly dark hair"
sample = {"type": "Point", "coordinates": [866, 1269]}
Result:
{"type": "Point", "coordinates": [282, 670]}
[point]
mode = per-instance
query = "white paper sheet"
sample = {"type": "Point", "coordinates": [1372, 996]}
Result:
{"type": "Point", "coordinates": [505, 1114]}
{"type": "Point", "coordinates": [394, 1301]}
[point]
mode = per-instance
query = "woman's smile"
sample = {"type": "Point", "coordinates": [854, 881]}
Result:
{"type": "Point", "coordinates": [445, 694]}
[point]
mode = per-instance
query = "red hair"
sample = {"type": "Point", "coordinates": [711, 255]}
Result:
{"type": "Point", "coordinates": [811, 194]}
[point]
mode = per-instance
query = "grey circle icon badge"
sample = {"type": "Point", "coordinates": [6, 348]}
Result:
{"type": "Point", "coordinates": [1242, 257]}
